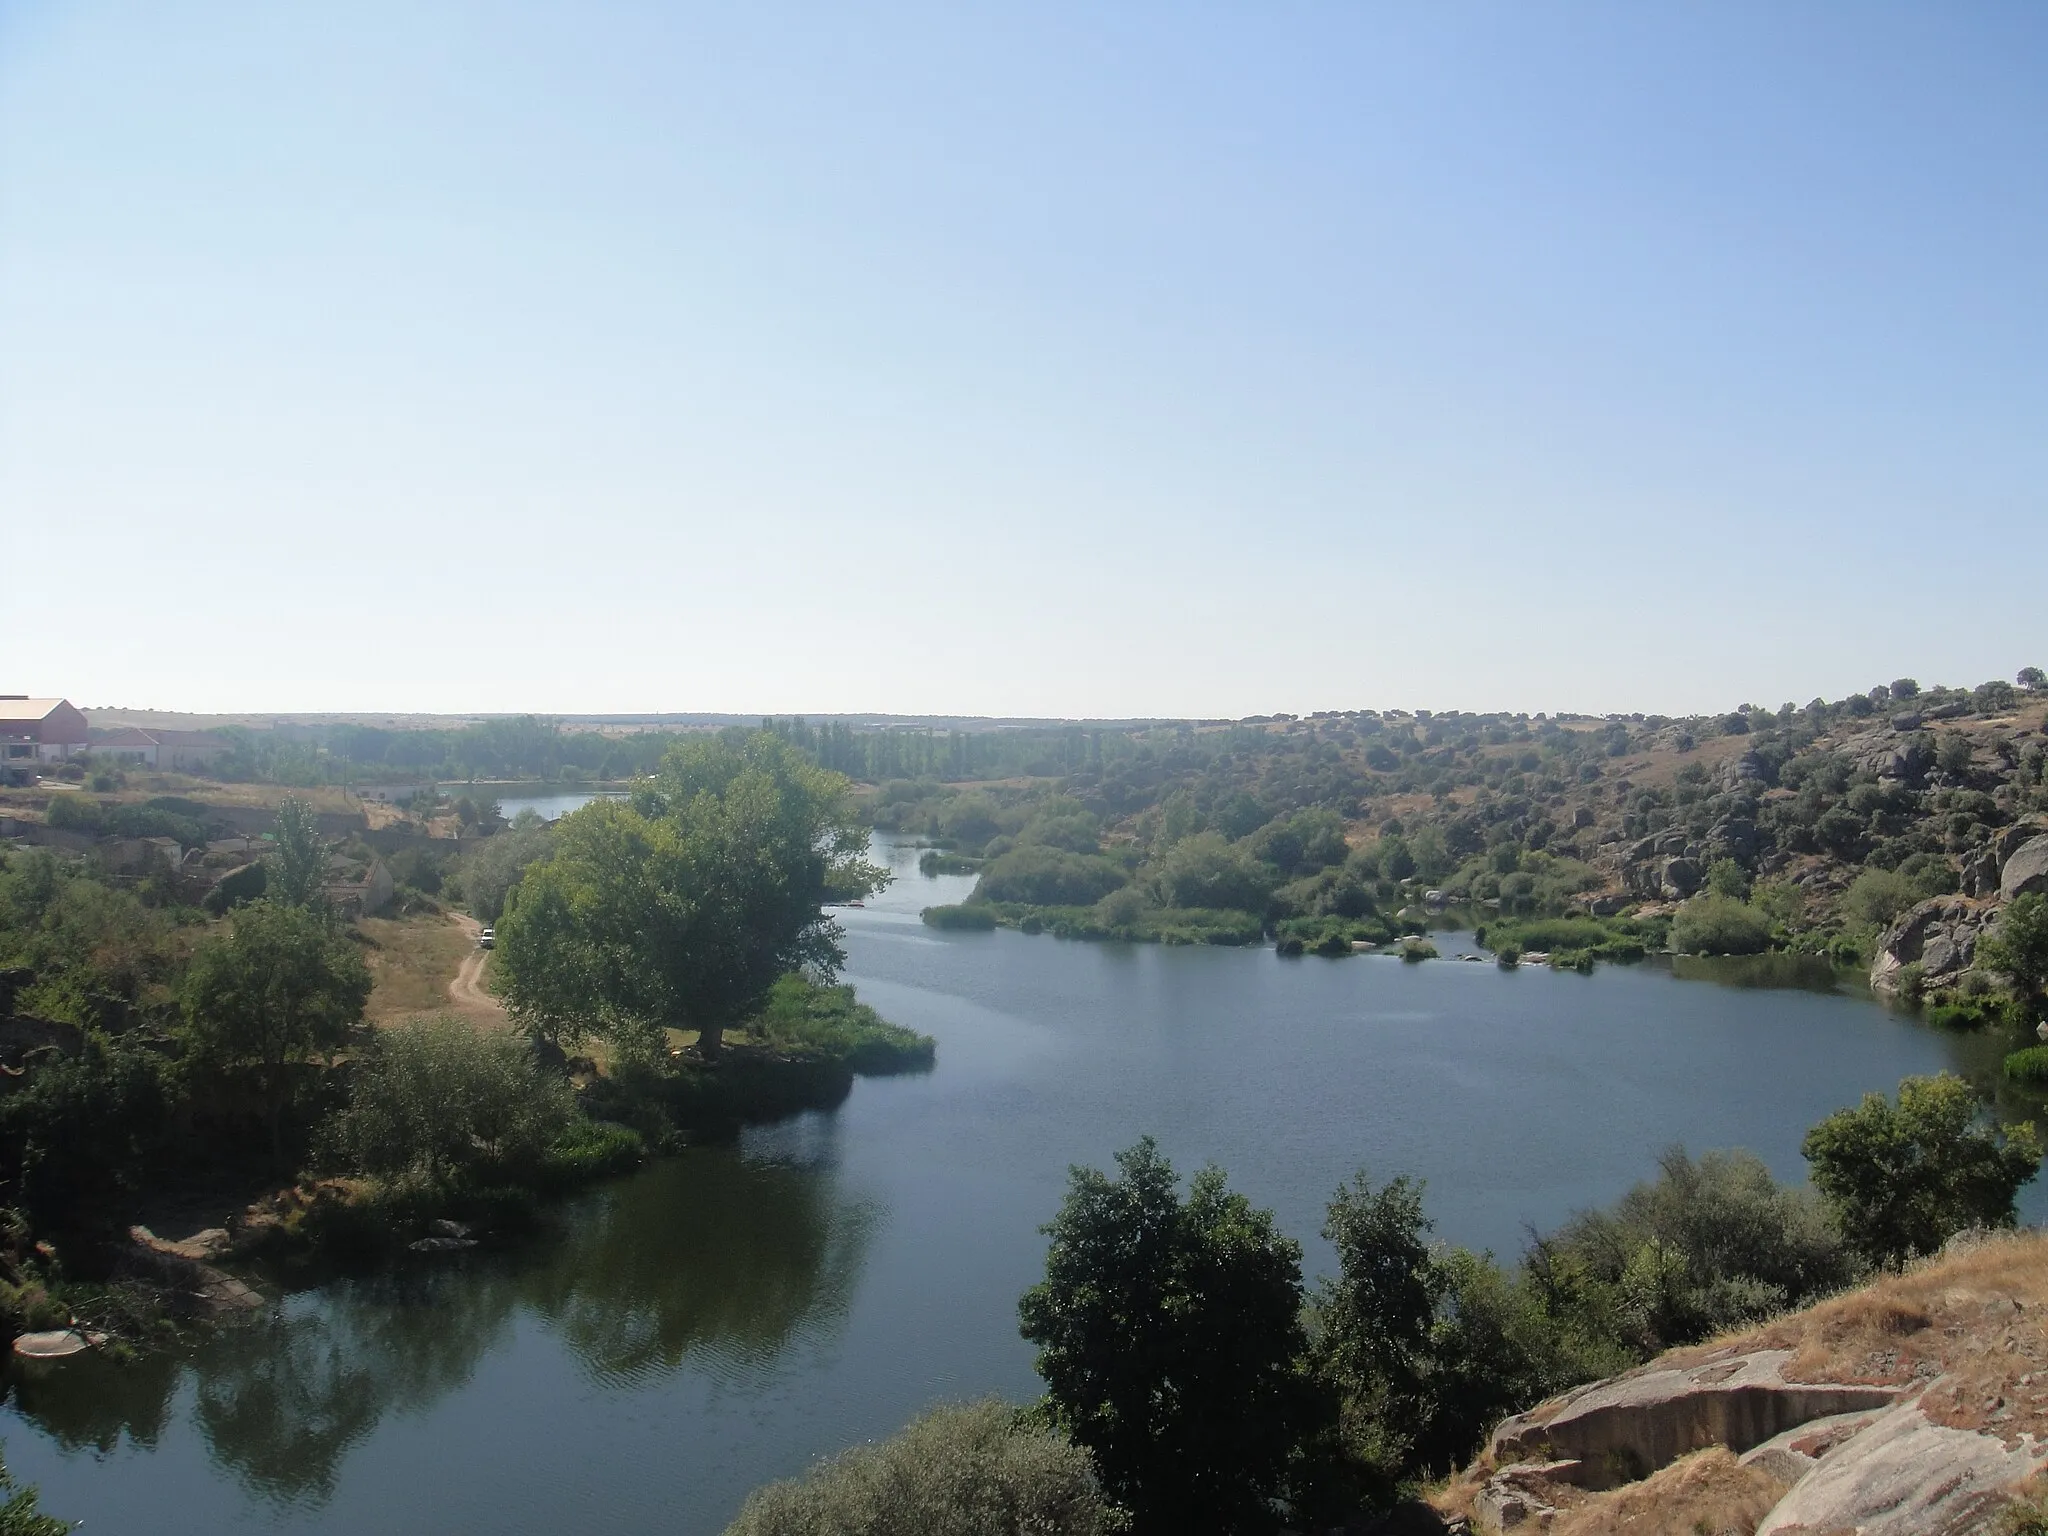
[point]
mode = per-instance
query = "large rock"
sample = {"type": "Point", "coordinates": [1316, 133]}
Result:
{"type": "Point", "coordinates": [1906, 1476]}
{"type": "Point", "coordinates": [2026, 872]}
{"type": "Point", "coordinates": [1940, 935]}
{"type": "Point", "coordinates": [1630, 1426]}
{"type": "Point", "coordinates": [1980, 873]}
{"type": "Point", "coordinates": [1678, 879]}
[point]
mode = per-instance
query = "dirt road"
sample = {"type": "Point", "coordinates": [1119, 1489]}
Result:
{"type": "Point", "coordinates": [466, 990]}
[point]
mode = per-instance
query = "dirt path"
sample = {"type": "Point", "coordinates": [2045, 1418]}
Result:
{"type": "Point", "coordinates": [466, 990]}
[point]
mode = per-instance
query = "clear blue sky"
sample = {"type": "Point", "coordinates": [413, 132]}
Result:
{"type": "Point", "coordinates": [1038, 359]}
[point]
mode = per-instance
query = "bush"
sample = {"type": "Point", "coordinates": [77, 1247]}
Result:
{"type": "Point", "coordinates": [1418, 949]}
{"type": "Point", "coordinates": [1905, 1178]}
{"type": "Point", "coordinates": [1042, 876]}
{"type": "Point", "coordinates": [1205, 871]}
{"type": "Point", "coordinates": [2029, 1065]}
{"type": "Point", "coordinates": [1716, 925]}
{"type": "Point", "coordinates": [441, 1100]}
{"type": "Point", "coordinates": [969, 1471]}
{"type": "Point", "coordinates": [237, 888]}
{"type": "Point", "coordinates": [82, 1128]}
{"type": "Point", "coordinates": [805, 1016]}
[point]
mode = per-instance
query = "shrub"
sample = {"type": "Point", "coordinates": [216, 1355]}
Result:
{"type": "Point", "coordinates": [2018, 945]}
{"type": "Point", "coordinates": [1905, 1178]}
{"type": "Point", "coordinates": [2029, 1065]}
{"type": "Point", "coordinates": [1418, 949]}
{"type": "Point", "coordinates": [84, 1127]}
{"type": "Point", "coordinates": [969, 1471]}
{"type": "Point", "coordinates": [1042, 876]}
{"type": "Point", "coordinates": [1205, 871]}
{"type": "Point", "coordinates": [1876, 897]}
{"type": "Point", "coordinates": [236, 888]}
{"type": "Point", "coordinates": [439, 1099]}
{"type": "Point", "coordinates": [1716, 925]}
{"type": "Point", "coordinates": [803, 1015]}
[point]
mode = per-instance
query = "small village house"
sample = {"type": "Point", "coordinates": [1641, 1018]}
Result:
{"type": "Point", "coordinates": [165, 751]}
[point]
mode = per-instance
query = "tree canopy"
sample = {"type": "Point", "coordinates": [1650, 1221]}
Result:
{"type": "Point", "coordinates": [682, 906]}
{"type": "Point", "coordinates": [1169, 1335]}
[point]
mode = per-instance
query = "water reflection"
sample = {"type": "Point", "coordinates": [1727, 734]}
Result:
{"type": "Point", "coordinates": [713, 1256]}
{"type": "Point", "coordinates": [92, 1404]}
{"type": "Point", "coordinates": [714, 1259]}
{"type": "Point", "coordinates": [1774, 970]}
{"type": "Point", "coordinates": [281, 1401]}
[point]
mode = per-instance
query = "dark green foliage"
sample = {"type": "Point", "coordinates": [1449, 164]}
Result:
{"type": "Point", "coordinates": [440, 1100]}
{"type": "Point", "coordinates": [83, 1128]}
{"type": "Point", "coordinates": [1718, 925]}
{"type": "Point", "coordinates": [489, 871]}
{"type": "Point", "coordinates": [968, 1471]}
{"type": "Point", "coordinates": [1042, 876]}
{"type": "Point", "coordinates": [1903, 1178]}
{"type": "Point", "coordinates": [2018, 945]}
{"type": "Point", "coordinates": [684, 907]}
{"type": "Point", "coordinates": [970, 918]}
{"type": "Point", "coordinates": [802, 1015]}
{"type": "Point", "coordinates": [1206, 872]}
{"type": "Point", "coordinates": [1168, 1334]}
{"type": "Point", "coordinates": [280, 986]}
{"type": "Point", "coordinates": [2028, 1066]}
{"type": "Point", "coordinates": [1709, 1244]}
{"type": "Point", "coordinates": [236, 888]}
{"type": "Point", "coordinates": [1608, 938]}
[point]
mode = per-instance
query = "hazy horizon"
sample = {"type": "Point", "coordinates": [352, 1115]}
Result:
{"type": "Point", "coordinates": [1022, 362]}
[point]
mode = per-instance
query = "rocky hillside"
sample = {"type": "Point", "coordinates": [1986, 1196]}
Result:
{"type": "Point", "coordinates": [1915, 1406]}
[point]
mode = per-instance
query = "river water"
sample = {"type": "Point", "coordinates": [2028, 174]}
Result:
{"type": "Point", "coordinates": [721, 1318]}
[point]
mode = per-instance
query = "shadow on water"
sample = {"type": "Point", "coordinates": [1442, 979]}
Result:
{"type": "Point", "coordinates": [1774, 971]}
{"type": "Point", "coordinates": [714, 1258]}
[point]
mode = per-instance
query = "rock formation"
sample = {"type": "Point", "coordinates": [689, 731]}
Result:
{"type": "Point", "coordinates": [1917, 1406]}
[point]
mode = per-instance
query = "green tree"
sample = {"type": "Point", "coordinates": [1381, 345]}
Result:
{"type": "Point", "coordinates": [1375, 1317]}
{"type": "Point", "coordinates": [1169, 1335]}
{"type": "Point", "coordinates": [280, 986]}
{"type": "Point", "coordinates": [1719, 925]}
{"type": "Point", "coordinates": [683, 906]}
{"type": "Point", "coordinates": [1727, 878]}
{"type": "Point", "coordinates": [1905, 1178]}
{"type": "Point", "coordinates": [298, 864]}
{"type": "Point", "coordinates": [2018, 945]}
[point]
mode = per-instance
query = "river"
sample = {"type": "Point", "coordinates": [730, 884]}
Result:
{"type": "Point", "coordinates": [721, 1318]}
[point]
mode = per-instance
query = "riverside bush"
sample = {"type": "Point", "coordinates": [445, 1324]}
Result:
{"type": "Point", "coordinates": [969, 1471]}
{"type": "Point", "coordinates": [1719, 925]}
{"type": "Point", "coordinates": [802, 1015]}
{"type": "Point", "coordinates": [2029, 1065]}
{"type": "Point", "coordinates": [438, 1099]}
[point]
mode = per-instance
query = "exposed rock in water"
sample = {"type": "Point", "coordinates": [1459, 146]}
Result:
{"type": "Point", "coordinates": [1939, 934]}
{"type": "Point", "coordinates": [182, 1267]}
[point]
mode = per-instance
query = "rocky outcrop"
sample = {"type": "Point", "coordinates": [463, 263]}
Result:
{"type": "Point", "coordinates": [182, 1268]}
{"type": "Point", "coordinates": [1917, 1406]}
{"type": "Point", "coordinates": [1627, 1428]}
{"type": "Point", "coordinates": [1939, 935]}
{"type": "Point", "coordinates": [2026, 871]}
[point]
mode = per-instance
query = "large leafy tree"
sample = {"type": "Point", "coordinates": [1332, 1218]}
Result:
{"type": "Point", "coordinates": [281, 985]}
{"type": "Point", "coordinates": [683, 906]}
{"type": "Point", "coordinates": [1903, 1178]}
{"type": "Point", "coordinates": [1169, 1335]}
{"type": "Point", "coordinates": [2018, 945]}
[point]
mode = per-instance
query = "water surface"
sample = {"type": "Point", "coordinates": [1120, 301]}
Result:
{"type": "Point", "coordinates": [724, 1317]}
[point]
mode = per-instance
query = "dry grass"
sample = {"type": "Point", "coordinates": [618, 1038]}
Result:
{"type": "Point", "coordinates": [1705, 1494]}
{"type": "Point", "coordinates": [1978, 1317]}
{"type": "Point", "coordinates": [412, 960]}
